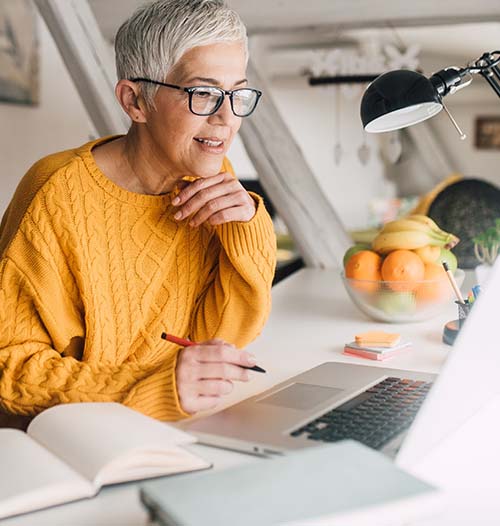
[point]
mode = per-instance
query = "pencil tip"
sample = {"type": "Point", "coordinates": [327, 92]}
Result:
{"type": "Point", "coordinates": [445, 265]}
{"type": "Point", "coordinates": [164, 335]}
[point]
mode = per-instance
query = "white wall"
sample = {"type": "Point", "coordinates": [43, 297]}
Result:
{"type": "Point", "coordinates": [311, 116]}
{"type": "Point", "coordinates": [472, 162]}
{"type": "Point", "coordinates": [28, 133]}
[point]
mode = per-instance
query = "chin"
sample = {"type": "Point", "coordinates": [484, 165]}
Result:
{"type": "Point", "coordinates": [209, 168]}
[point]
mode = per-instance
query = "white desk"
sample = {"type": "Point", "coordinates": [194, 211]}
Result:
{"type": "Point", "coordinates": [312, 318]}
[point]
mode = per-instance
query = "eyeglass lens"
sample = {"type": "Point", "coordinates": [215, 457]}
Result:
{"type": "Point", "coordinates": [207, 100]}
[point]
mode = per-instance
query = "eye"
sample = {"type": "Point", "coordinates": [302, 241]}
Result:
{"type": "Point", "coordinates": [202, 94]}
{"type": "Point", "coordinates": [205, 93]}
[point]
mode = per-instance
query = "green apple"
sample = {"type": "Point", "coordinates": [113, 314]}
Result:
{"type": "Point", "coordinates": [448, 257]}
{"type": "Point", "coordinates": [358, 247]}
{"type": "Point", "coordinates": [392, 302]}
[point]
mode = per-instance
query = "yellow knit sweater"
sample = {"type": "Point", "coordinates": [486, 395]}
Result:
{"type": "Point", "coordinates": [90, 276]}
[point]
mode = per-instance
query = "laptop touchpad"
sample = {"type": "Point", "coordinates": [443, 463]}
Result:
{"type": "Point", "coordinates": [301, 396]}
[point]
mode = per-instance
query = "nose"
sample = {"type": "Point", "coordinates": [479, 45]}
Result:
{"type": "Point", "coordinates": [225, 114]}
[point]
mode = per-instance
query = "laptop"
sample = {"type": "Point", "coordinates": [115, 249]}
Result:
{"type": "Point", "coordinates": [398, 412]}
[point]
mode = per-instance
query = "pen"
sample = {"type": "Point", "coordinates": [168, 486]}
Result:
{"type": "Point", "coordinates": [187, 343]}
{"type": "Point", "coordinates": [453, 283]}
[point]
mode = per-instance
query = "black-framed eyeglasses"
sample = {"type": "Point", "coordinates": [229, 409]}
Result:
{"type": "Point", "coordinates": [206, 100]}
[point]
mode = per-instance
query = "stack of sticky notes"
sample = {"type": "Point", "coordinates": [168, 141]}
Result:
{"type": "Point", "coordinates": [376, 345]}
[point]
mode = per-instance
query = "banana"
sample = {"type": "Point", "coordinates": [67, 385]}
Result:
{"type": "Point", "coordinates": [426, 220]}
{"type": "Point", "coordinates": [406, 225]}
{"type": "Point", "coordinates": [452, 240]}
{"type": "Point", "coordinates": [421, 223]}
{"type": "Point", "coordinates": [404, 239]}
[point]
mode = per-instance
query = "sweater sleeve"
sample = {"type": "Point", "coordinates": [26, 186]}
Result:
{"type": "Point", "coordinates": [236, 300]}
{"type": "Point", "coordinates": [36, 372]}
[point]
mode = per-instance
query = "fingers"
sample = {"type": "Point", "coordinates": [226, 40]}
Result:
{"type": "Point", "coordinates": [223, 354]}
{"type": "Point", "coordinates": [224, 371]}
{"type": "Point", "coordinates": [202, 363]}
{"type": "Point", "coordinates": [205, 372]}
{"type": "Point", "coordinates": [226, 215]}
{"type": "Point", "coordinates": [217, 199]}
{"type": "Point", "coordinates": [214, 387]}
{"type": "Point", "coordinates": [226, 204]}
{"type": "Point", "coordinates": [196, 186]}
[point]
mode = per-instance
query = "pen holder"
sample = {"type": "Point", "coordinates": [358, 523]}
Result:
{"type": "Point", "coordinates": [463, 312]}
{"type": "Point", "coordinates": [452, 328]}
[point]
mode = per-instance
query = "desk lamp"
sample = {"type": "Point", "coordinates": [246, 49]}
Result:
{"type": "Point", "coordinates": [401, 98]}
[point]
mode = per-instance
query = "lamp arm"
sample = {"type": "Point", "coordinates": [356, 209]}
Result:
{"type": "Point", "coordinates": [491, 73]}
{"type": "Point", "coordinates": [450, 79]}
{"type": "Point", "coordinates": [487, 66]}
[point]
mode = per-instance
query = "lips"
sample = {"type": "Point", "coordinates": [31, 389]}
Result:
{"type": "Point", "coordinates": [213, 142]}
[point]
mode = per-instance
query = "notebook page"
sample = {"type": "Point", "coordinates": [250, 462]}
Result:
{"type": "Point", "coordinates": [88, 436]}
{"type": "Point", "coordinates": [33, 478]}
{"type": "Point", "coordinates": [150, 464]}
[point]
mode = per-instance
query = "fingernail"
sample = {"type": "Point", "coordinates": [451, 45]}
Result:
{"type": "Point", "coordinates": [176, 201]}
{"type": "Point", "coordinates": [251, 359]}
{"type": "Point", "coordinates": [178, 215]}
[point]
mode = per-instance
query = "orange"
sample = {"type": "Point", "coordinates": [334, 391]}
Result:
{"type": "Point", "coordinates": [439, 289]}
{"type": "Point", "coordinates": [403, 266]}
{"type": "Point", "coordinates": [364, 265]}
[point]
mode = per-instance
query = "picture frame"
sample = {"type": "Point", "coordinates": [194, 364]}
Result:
{"type": "Point", "coordinates": [18, 52]}
{"type": "Point", "coordinates": [487, 132]}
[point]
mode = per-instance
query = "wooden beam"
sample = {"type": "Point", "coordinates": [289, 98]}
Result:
{"type": "Point", "coordinates": [88, 58]}
{"type": "Point", "coordinates": [290, 183]}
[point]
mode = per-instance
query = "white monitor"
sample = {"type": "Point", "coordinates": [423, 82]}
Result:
{"type": "Point", "coordinates": [468, 381]}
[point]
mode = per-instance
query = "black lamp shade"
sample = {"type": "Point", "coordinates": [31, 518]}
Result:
{"type": "Point", "coordinates": [398, 99]}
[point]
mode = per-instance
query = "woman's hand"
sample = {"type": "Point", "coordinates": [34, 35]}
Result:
{"type": "Point", "coordinates": [205, 372]}
{"type": "Point", "coordinates": [216, 199]}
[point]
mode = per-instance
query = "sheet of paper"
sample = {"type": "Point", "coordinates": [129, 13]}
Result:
{"type": "Point", "coordinates": [89, 436]}
{"type": "Point", "coordinates": [34, 478]}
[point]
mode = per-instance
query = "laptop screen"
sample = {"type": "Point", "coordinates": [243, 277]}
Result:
{"type": "Point", "coordinates": [468, 380]}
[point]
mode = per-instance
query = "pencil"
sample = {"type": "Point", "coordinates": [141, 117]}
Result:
{"type": "Point", "coordinates": [187, 343]}
{"type": "Point", "coordinates": [458, 294]}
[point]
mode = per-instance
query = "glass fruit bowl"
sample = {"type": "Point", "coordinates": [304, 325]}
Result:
{"type": "Point", "coordinates": [402, 301]}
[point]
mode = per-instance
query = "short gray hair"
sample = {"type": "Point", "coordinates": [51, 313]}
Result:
{"type": "Point", "coordinates": [155, 37]}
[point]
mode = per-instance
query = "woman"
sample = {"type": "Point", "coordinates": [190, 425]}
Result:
{"type": "Point", "coordinates": [106, 246]}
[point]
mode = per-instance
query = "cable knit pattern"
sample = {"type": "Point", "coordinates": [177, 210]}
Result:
{"type": "Point", "coordinates": [91, 274]}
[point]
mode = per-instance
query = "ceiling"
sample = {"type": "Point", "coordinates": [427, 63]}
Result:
{"type": "Point", "coordinates": [454, 32]}
{"type": "Point", "coordinates": [320, 19]}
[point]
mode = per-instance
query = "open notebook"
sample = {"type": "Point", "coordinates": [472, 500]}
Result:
{"type": "Point", "coordinates": [70, 451]}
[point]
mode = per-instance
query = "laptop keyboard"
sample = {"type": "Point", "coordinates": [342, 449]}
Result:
{"type": "Point", "coordinates": [374, 417]}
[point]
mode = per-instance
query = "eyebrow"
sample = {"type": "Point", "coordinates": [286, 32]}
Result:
{"type": "Point", "coordinates": [213, 81]}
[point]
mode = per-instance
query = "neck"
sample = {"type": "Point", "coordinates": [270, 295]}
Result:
{"type": "Point", "coordinates": [133, 163]}
{"type": "Point", "coordinates": [146, 168]}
